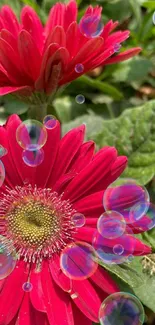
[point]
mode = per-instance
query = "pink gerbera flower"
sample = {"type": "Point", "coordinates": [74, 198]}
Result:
{"type": "Point", "coordinates": [34, 58]}
{"type": "Point", "coordinates": [36, 206]}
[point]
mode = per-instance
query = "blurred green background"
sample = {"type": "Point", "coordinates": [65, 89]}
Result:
{"type": "Point", "coordinates": [119, 107]}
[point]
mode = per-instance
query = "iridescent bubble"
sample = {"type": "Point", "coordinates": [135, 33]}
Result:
{"type": "Point", "coordinates": [79, 68]}
{"type": "Point", "coordinates": [2, 173]}
{"type": "Point", "coordinates": [122, 195]}
{"type": "Point", "coordinates": [77, 261]}
{"type": "Point", "coordinates": [111, 224]}
{"type": "Point", "coordinates": [104, 247]}
{"type": "Point", "coordinates": [117, 47]}
{"type": "Point", "coordinates": [31, 135]}
{"type": "Point", "coordinates": [78, 219]}
{"type": "Point", "coordinates": [3, 151]}
{"type": "Point", "coordinates": [33, 158]}
{"type": "Point", "coordinates": [80, 99]}
{"type": "Point", "coordinates": [91, 25]}
{"type": "Point", "coordinates": [8, 257]}
{"type": "Point", "coordinates": [27, 286]}
{"type": "Point", "coordinates": [50, 122]}
{"type": "Point", "coordinates": [121, 308]}
{"type": "Point", "coordinates": [153, 18]}
{"type": "Point", "coordinates": [118, 249]}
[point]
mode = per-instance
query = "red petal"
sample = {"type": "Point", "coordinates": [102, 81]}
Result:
{"type": "Point", "coordinates": [9, 305]}
{"type": "Point", "coordinates": [56, 17]}
{"type": "Point", "coordinates": [56, 300]}
{"type": "Point", "coordinates": [79, 317]}
{"type": "Point", "coordinates": [70, 13]}
{"type": "Point", "coordinates": [95, 172]}
{"type": "Point", "coordinates": [29, 54]}
{"type": "Point", "coordinates": [57, 36]}
{"type": "Point", "coordinates": [91, 206]}
{"type": "Point", "coordinates": [69, 146]}
{"type": "Point", "coordinates": [10, 39]}
{"type": "Point", "coordinates": [59, 277]}
{"type": "Point", "coordinates": [83, 157]}
{"type": "Point", "coordinates": [23, 90]}
{"type": "Point", "coordinates": [124, 56]}
{"type": "Point", "coordinates": [104, 281]}
{"type": "Point", "coordinates": [37, 295]}
{"type": "Point", "coordinates": [33, 25]}
{"type": "Point", "coordinates": [71, 35]}
{"type": "Point", "coordinates": [10, 20]}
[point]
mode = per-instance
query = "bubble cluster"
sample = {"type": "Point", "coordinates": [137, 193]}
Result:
{"type": "Point", "coordinates": [117, 47]}
{"type": "Point", "coordinates": [114, 251]}
{"type": "Point", "coordinates": [111, 224]}
{"type": "Point", "coordinates": [78, 261]}
{"type": "Point", "coordinates": [33, 158]}
{"type": "Point", "coordinates": [27, 287]}
{"type": "Point", "coordinates": [50, 122]}
{"type": "Point", "coordinates": [124, 197]}
{"type": "Point", "coordinates": [79, 68]}
{"type": "Point", "coordinates": [31, 135]}
{"type": "Point", "coordinates": [121, 308]}
{"type": "Point", "coordinates": [78, 219]}
{"type": "Point", "coordinates": [80, 99]}
{"type": "Point", "coordinates": [8, 258]}
{"type": "Point", "coordinates": [91, 26]}
{"type": "Point", "coordinates": [2, 173]}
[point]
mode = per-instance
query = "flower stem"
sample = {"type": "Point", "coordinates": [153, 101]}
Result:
{"type": "Point", "coordinates": [38, 111]}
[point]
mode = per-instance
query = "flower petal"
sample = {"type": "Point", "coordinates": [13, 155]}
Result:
{"type": "Point", "coordinates": [91, 205]}
{"type": "Point", "coordinates": [104, 281]}
{"type": "Point", "coordinates": [58, 276]}
{"type": "Point", "coordinates": [124, 55]}
{"type": "Point", "coordinates": [23, 90]}
{"type": "Point", "coordinates": [37, 294]}
{"type": "Point", "coordinates": [82, 158]}
{"type": "Point", "coordinates": [10, 20]}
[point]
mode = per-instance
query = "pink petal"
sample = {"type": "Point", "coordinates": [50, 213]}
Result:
{"type": "Point", "coordinates": [9, 305]}
{"type": "Point", "coordinates": [62, 183]}
{"type": "Point", "coordinates": [23, 90]}
{"type": "Point", "coordinates": [91, 205]}
{"type": "Point", "coordinates": [55, 75]}
{"type": "Point", "coordinates": [9, 20]}
{"type": "Point", "coordinates": [29, 54]}
{"type": "Point", "coordinates": [117, 37]}
{"type": "Point", "coordinates": [123, 56]}
{"type": "Point", "coordinates": [70, 13]}
{"type": "Point", "coordinates": [104, 281]}
{"type": "Point", "coordinates": [57, 36]}
{"type": "Point", "coordinates": [71, 34]}
{"type": "Point", "coordinates": [85, 234]}
{"type": "Point", "coordinates": [95, 172]}
{"type": "Point", "coordinates": [9, 38]}
{"type": "Point", "coordinates": [33, 25]}
{"type": "Point", "coordinates": [56, 300]}
{"type": "Point", "coordinates": [37, 294]}
{"type": "Point", "coordinates": [79, 317]}
{"type": "Point", "coordinates": [86, 299]}
{"type": "Point", "coordinates": [69, 145]}
{"type": "Point", "coordinates": [58, 276]}
{"type": "Point", "coordinates": [60, 56]}
{"type": "Point", "coordinates": [56, 17]}
{"type": "Point", "coordinates": [83, 157]}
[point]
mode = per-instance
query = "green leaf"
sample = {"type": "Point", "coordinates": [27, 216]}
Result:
{"type": "Point", "coordinates": [149, 4]}
{"type": "Point", "coordinates": [13, 106]}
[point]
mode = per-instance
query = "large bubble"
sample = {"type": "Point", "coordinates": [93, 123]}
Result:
{"type": "Point", "coordinates": [8, 257]}
{"type": "Point", "coordinates": [33, 158]}
{"type": "Point", "coordinates": [78, 261]}
{"type": "Point", "coordinates": [111, 224]}
{"type": "Point", "coordinates": [121, 308]}
{"type": "Point", "coordinates": [31, 135]}
{"type": "Point", "coordinates": [91, 26]}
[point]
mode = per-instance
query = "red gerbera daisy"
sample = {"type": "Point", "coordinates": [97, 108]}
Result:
{"type": "Point", "coordinates": [34, 58]}
{"type": "Point", "coordinates": [36, 207]}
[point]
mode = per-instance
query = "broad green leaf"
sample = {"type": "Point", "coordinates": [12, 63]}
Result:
{"type": "Point", "coordinates": [15, 107]}
{"type": "Point", "coordinates": [149, 4]}
{"type": "Point", "coordinates": [132, 133]}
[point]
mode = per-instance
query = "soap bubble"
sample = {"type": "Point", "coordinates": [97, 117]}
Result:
{"type": "Point", "coordinates": [77, 261]}
{"type": "Point", "coordinates": [50, 122]}
{"type": "Point", "coordinates": [153, 18]}
{"type": "Point", "coordinates": [80, 99]}
{"type": "Point", "coordinates": [111, 224]}
{"type": "Point", "coordinates": [3, 151]}
{"type": "Point", "coordinates": [78, 219]}
{"type": "Point", "coordinates": [91, 26]}
{"type": "Point", "coordinates": [118, 249]}
{"type": "Point", "coordinates": [2, 173]}
{"type": "Point", "coordinates": [8, 257]}
{"type": "Point", "coordinates": [121, 308]}
{"type": "Point", "coordinates": [33, 158]}
{"type": "Point", "coordinates": [31, 135]}
{"type": "Point", "coordinates": [117, 47]}
{"type": "Point", "coordinates": [79, 68]}
{"type": "Point", "coordinates": [27, 286]}
{"type": "Point", "coordinates": [123, 195]}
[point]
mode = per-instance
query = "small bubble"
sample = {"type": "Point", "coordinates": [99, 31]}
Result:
{"type": "Point", "coordinates": [2, 173]}
{"type": "Point", "coordinates": [31, 135]}
{"type": "Point", "coordinates": [111, 224]}
{"type": "Point", "coordinates": [117, 47]}
{"type": "Point", "coordinates": [50, 122]}
{"type": "Point", "coordinates": [91, 25]}
{"type": "Point", "coordinates": [27, 287]}
{"type": "Point", "coordinates": [79, 68]}
{"type": "Point", "coordinates": [118, 249]}
{"type": "Point", "coordinates": [77, 261]}
{"type": "Point", "coordinates": [80, 99]}
{"type": "Point", "coordinates": [78, 220]}
{"type": "Point", "coordinates": [33, 158]}
{"type": "Point", "coordinates": [121, 308]}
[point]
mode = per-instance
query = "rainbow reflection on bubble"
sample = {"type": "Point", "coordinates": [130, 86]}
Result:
{"type": "Point", "coordinates": [31, 135]}
{"type": "Point", "coordinates": [50, 122]}
{"type": "Point", "coordinates": [123, 196]}
{"type": "Point", "coordinates": [8, 257]}
{"type": "Point", "coordinates": [107, 249]}
{"type": "Point", "coordinates": [91, 26]}
{"type": "Point", "coordinates": [33, 158]}
{"type": "Point", "coordinates": [78, 261]}
{"type": "Point", "coordinates": [121, 308]}
{"type": "Point", "coordinates": [78, 219]}
{"type": "Point", "coordinates": [111, 224]}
